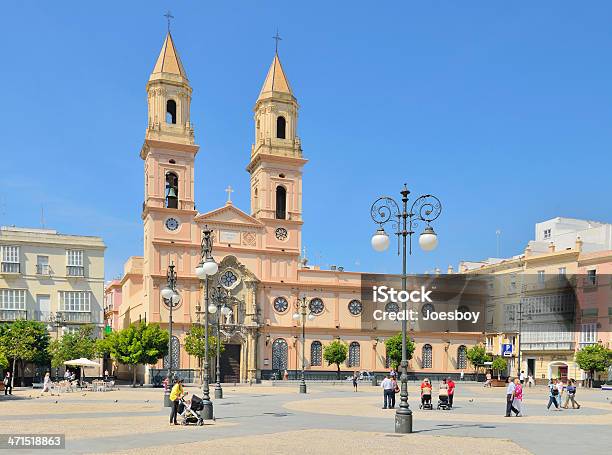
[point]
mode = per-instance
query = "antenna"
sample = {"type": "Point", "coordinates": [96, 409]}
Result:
{"type": "Point", "coordinates": [498, 234]}
{"type": "Point", "coordinates": [42, 216]}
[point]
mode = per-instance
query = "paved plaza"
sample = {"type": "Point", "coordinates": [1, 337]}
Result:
{"type": "Point", "coordinates": [266, 419]}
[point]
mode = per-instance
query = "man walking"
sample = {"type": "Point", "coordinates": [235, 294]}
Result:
{"type": "Point", "coordinates": [388, 391]}
{"type": "Point", "coordinates": [8, 384]}
{"type": "Point", "coordinates": [522, 377]}
{"type": "Point", "coordinates": [510, 390]}
{"type": "Point", "coordinates": [451, 391]}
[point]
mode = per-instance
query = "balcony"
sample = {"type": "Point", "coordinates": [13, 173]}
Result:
{"type": "Point", "coordinates": [43, 269]}
{"type": "Point", "coordinates": [77, 317]}
{"type": "Point", "coordinates": [12, 315]}
{"type": "Point", "coordinates": [10, 267]}
{"type": "Point", "coordinates": [75, 271]}
{"type": "Point", "coordinates": [548, 346]}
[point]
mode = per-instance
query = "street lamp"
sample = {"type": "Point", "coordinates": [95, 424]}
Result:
{"type": "Point", "coordinates": [425, 209]}
{"type": "Point", "coordinates": [171, 298]}
{"type": "Point", "coordinates": [56, 321]}
{"type": "Point", "coordinates": [207, 267]}
{"type": "Point", "coordinates": [221, 309]}
{"type": "Point", "coordinates": [300, 315]}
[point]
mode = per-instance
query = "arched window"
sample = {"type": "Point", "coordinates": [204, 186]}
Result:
{"type": "Point", "coordinates": [279, 354]}
{"type": "Point", "coordinates": [171, 190]}
{"type": "Point", "coordinates": [462, 357]}
{"type": "Point", "coordinates": [281, 203]}
{"type": "Point", "coordinates": [316, 354]}
{"type": "Point", "coordinates": [427, 356]}
{"type": "Point", "coordinates": [175, 348]}
{"type": "Point", "coordinates": [171, 112]}
{"type": "Point", "coordinates": [281, 126]}
{"type": "Point", "coordinates": [354, 357]}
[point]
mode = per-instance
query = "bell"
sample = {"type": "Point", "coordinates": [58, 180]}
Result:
{"type": "Point", "coordinates": [172, 192]}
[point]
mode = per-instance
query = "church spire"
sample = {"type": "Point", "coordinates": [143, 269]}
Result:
{"type": "Point", "coordinates": [169, 61]}
{"type": "Point", "coordinates": [276, 80]}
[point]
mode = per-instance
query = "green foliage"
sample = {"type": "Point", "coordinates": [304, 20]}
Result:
{"type": "Point", "coordinates": [477, 355]}
{"type": "Point", "coordinates": [594, 358]}
{"type": "Point", "coordinates": [499, 364]}
{"type": "Point", "coordinates": [3, 360]}
{"type": "Point", "coordinates": [26, 341]}
{"type": "Point", "coordinates": [73, 346]}
{"type": "Point", "coordinates": [393, 347]}
{"type": "Point", "coordinates": [195, 343]}
{"type": "Point", "coordinates": [335, 353]}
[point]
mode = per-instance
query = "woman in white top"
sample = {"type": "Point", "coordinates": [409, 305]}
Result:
{"type": "Point", "coordinates": [46, 383]}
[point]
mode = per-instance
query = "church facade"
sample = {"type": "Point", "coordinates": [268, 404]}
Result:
{"type": "Point", "coordinates": [258, 251]}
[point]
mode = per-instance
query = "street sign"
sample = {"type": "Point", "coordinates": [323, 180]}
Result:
{"type": "Point", "coordinates": [506, 350]}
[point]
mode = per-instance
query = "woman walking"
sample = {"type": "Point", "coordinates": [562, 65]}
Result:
{"type": "Point", "coordinates": [396, 390]}
{"type": "Point", "coordinates": [175, 398]}
{"type": "Point", "coordinates": [552, 397]}
{"type": "Point", "coordinates": [355, 381]}
{"type": "Point", "coordinates": [8, 384]}
{"type": "Point", "coordinates": [571, 394]}
{"type": "Point", "coordinates": [518, 397]}
{"type": "Point", "coordinates": [46, 384]}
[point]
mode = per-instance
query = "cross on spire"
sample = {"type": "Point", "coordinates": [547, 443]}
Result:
{"type": "Point", "coordinates": [168, 16]}
{"type": "Point", "coordinates": [229, 192]}
{"type": "Point", "coordinates": [277, 38]}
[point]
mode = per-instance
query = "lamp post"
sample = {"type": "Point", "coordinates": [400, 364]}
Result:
{"type": "Point", "coordinates": [301, 315]}
{"type": "Point", "coordinates": [171, 299]}
{"type": "Point", "coordinates": [207, 267]}
{"type": "Point", "coordinates": [424, 209]}
{"type": "Point", "coordinates": [221, 309]}
{"type": "Point", "coordinates": [56, 321]}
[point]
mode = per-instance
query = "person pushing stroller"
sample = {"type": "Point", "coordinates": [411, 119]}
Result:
{"type": "Point", "coordinates": [426, 395]}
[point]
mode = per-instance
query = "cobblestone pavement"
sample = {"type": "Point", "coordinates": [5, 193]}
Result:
{"type": "Point", "coordinates": [276, 419]}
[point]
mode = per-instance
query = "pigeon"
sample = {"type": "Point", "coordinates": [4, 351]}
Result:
{"type": "Point", "coordinates": [471, 400]}
{"type": "Point", "coordinates": [83, 394]}
{"type": "Point", "coordinates": [146, 401]}
{"type": "Point", "coordinates": [116, 401]}
{"type": "Point", "coordinates": [56, 401]}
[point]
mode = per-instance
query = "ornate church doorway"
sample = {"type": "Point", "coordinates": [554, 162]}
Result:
{"type": "Point", "coordinates": [230, 363]}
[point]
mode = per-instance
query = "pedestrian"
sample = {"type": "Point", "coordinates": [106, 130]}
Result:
{"type": "Point", "coordinates": [530, 380]}
{"type": "Point", "coordinates": [488, 381]}
{"type": "Point", "coordinates": [561, 389]}
{"type": "Point", "coordinates": [67, 375]}
{"type": "Point", "coordinates": [286, 375]}
{"type": "Point", "coordinates": [522, 377]}
{"type": "Point", "coordinates": [518, 397]}
{"type": "Point", "coordinates": [8, 384]}
{"type": "Point", "coordinates": [571, 395]}
{"type": "Point", "coordinates": [388, 388]}
{"type": "Point", "coordinates": [451, 391]}
{"type": "Point", "coordinates": [175, 398]}
{"type": "Point", "coordinates": [355, 381]}
{"type": "Point", "coordinates": [396, 390]}
{"type": "Point", "coordinates": [105, 375]}
{"type": "Point", "coordinates": [552, 396]}
{"type": "Point", "coordinates": [462, 374]}
{"type": "Point", "coordinates": [46, 384]}
{"type": "Point", "coordinates": [510, 392]}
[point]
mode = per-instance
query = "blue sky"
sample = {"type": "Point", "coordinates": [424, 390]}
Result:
{"type": "Point", "coordinates": [502, 111]}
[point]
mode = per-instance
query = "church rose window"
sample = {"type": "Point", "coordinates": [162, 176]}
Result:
{"type": "Point", "coordinates": [281, 233]}
{"type": "Point", "coordinates": [316, 306]}
{"type": "Point", "coordinates": [281, 304]}
{"type": "Point", "coordinates": [228, 278]}
{"type": "Point", "coordinates": [392, 307]}
{"type": "Point", "coordinates": [355, 307]}
{"type": "Point", "coordinates": [279, 354]}
{"type": "Point", "coordinates": [427, 356]}
{"type": "Point", "coordinates": [316, 354]}
{"type": "Point", "coordinates": [427, 308]}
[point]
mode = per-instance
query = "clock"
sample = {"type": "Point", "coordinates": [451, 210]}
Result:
{"type": "Point", "coordinates": [172, 224]}
{"type": "Point", "coordinates": [281, 233]}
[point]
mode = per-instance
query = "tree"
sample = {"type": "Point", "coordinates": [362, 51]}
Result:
{"type": "Point", "coordinates": [499, 364]}
{"type": "Point", "coordinates": [25, 341]}
{"type": "Point", "coordinates": [3, 360]}
{"type": "Point", "coordinates": [195, 344]}
{"type": "Point", "coordinates": [393, 347]}
{"type": "Point", "coordinates": [140, 344]}
{"type": "Point", "coordinates": [335, 353]}
{"type": "Point", "coordinates": [80, 344]}
{"type": "Point", "coordinates": [477, 355]}
{"type": "Point", "coordinates": [594, 358]}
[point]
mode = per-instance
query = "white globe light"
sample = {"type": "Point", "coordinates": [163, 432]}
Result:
{"type": "Point", "coordinates": [212, 309]}
{"type": "Point", "coordinates": [210, 266]}
{"type": "Point", "coordinates": [176, 298]}
{"type": "Point", "coordinates": [200, 271]}
{"type": "Point", "coordinates": [296, 316]}
{"type": "Point", "coordinates": [49, 328]}
{"type": "Point", "coordinates": [311, 317]}
{"type": "Point", "coordinates": [226, 310]}
{"type": "Point", "coordinates": [428, 240]}
{"type": "Point", "coordinates": [167, 293]}
{"type": "Point", "coordinates": [380, 241]}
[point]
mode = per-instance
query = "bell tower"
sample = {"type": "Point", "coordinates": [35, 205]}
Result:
{"type": "Point", "coordinates": [276, 171]}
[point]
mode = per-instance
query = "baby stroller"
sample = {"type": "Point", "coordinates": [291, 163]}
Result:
{"type": "Point", "coordinates": [190, 411]}
{"type": "Point", "coordinates": [426, 399]}
{"type": "Point", "coordinates": [443, 400]}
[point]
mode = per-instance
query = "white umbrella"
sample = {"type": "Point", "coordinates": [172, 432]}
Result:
{"type": "Point", "coordinates": [83, 363]}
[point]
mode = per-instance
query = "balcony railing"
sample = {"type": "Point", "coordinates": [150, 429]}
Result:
{"type": "Point", "coordinates": [75, 270]}
{"type": "Point", "coordinates": [77, 317]}
{"type": "Point", "coordinates": [548, 346]}
{"type": "Point", "coordinates": [43, 269]}
{"type": "Point", "coordinates": [12, 315]}
{"type": "Point", "coordinates": [11, 267]}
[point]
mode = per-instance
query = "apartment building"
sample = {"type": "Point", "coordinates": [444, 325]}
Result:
{"type": "Point", "coordinates": [51, 277]}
